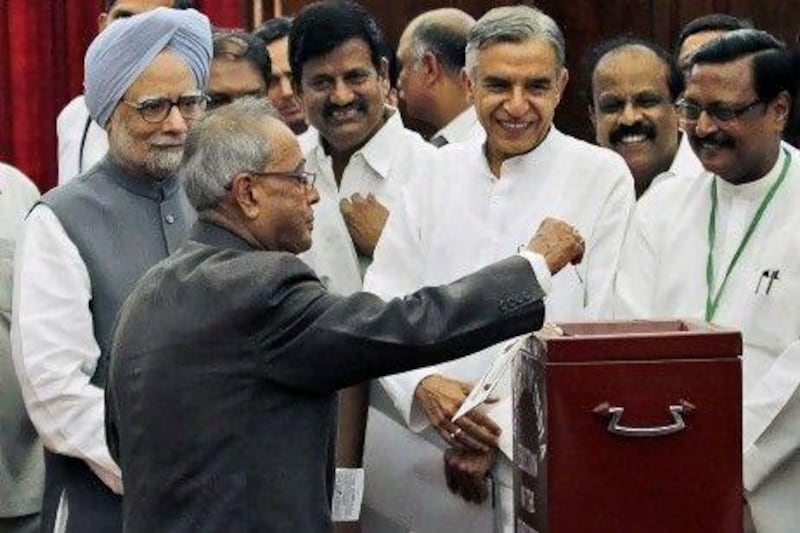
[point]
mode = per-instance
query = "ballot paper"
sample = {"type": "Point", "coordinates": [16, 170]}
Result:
{"type": "Point", "coordinates": [489, 381]}
{"type": "Point", "coordinates": [347, 494]}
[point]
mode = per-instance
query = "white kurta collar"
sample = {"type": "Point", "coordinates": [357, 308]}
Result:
{"type": "Point", "coordinates": [754, 190]}
{"type": "Point", "coordinates": [532, 159]}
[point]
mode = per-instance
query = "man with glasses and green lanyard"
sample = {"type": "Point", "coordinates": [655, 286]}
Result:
{"type": "Point", "coordinates": [86, 243]}
{"type": "Point", "coordinates": [725, 248]}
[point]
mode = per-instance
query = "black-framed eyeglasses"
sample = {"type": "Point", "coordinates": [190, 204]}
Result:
{"type": "Point", "coordinates": [722, 113]}
{"type": "Point", "coordinates": [155, 110]}
{"type": "Point", "coordinates": [304, 178]}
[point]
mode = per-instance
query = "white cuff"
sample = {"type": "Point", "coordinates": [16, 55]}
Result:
{"type": "Point", "coordinates": [540, 269]}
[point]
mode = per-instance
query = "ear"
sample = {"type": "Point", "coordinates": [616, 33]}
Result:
{"type": "Point", "coordinates": [466, 80]}
{"type": "Point", "coordinates": [561, 84]}
{"type": "Point", "coordinates": [246, 196]}
{"type": "Point", "coordinates": [781, 106]}
{"type": "Point", "coordinates": [102, 22]}
{"type": "Point", "coordinates": [431, 68]}
{"type": "Point", "coordinates": [383, 68]}
{"type": "Point", "coordinates": [592, 116]}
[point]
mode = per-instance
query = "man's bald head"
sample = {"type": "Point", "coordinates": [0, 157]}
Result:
{"type": "Point", "coordinates": [442, 32]}
{"type": "Point", "coordinates": [431, 57]}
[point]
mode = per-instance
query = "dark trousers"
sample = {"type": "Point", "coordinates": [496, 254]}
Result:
{"type": "Point", "coordinates": [91, 507]}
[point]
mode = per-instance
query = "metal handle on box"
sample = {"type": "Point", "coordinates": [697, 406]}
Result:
{"type": "Point", "coordinates": [614, 415]}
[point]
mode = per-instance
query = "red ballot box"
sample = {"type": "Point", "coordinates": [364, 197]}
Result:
{"type": "Point", "coordinates": [623, 427]}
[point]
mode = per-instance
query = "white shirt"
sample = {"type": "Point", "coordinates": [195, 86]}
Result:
{"type": "Point", "coordinates": [686, 163]}
{"type": "Point", "coordinates": [465, 127]}
{"type": "Point", "coordinates": [54, 348]}
{"type": "Point", "coordinates": [663, 274]}
{"type": "Point", "coordinates": [380, 167]}
{"type": "Point", "coordinates": [464, 219]}
{"type": "Point", "coordinates": [76, 153]}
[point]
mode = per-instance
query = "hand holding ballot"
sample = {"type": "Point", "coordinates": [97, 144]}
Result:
{"type": "Point", "coordinates": [440, 397]}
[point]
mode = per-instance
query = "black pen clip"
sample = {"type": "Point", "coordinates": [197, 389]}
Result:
{"type": "Point", "coordinates": [763, 275]}
{"type": "Point", "coordinates": [774, 276]}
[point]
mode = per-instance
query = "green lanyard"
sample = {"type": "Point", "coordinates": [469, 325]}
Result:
{"type": "Point", "coordinates": [711, 304]}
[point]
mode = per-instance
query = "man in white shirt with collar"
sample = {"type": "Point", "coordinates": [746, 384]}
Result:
{"type": "Point", "coordinates": [484, 198]}
{"type": "Point", "coordinates": [432, 85]}
{"type": "Point", "coordinates": [724, 248]}
{"type": "Point", "coordinates": [362, 157]}
{"type": "Point", "coordinates": [632, 86]}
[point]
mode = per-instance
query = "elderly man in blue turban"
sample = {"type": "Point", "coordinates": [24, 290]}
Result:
{"type": "Point", "coordinates": [86, 243]}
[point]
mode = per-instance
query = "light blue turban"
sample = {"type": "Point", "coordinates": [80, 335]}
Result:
{"type": "Point", "coordinates": [118, 56]}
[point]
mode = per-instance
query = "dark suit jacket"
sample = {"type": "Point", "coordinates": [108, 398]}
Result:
{"type": "Point", "coordinates": [226, 360]}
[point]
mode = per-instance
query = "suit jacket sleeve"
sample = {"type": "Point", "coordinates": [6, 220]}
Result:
{"type": "Point", "coordinates": [328, 342]}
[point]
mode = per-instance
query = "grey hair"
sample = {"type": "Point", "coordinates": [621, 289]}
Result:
{"type": "Point", "coordinates": [224, 142]}
{"type": "Point", "coordinates": [513, 24]}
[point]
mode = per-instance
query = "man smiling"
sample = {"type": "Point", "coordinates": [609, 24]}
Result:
{"type": "Point", "coordinates": [632, 88]}
{"type": "Point", "coordinates": [723, 248]}
{"type": "Point", "coordinates": [477, 204]}
{"type": "Point", "coordinates": [361, 153]}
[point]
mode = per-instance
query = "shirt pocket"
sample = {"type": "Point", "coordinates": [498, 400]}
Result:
{"type": "Point", "coordinates": [6, 274]}
{"type": "Point", "coordinates": [770, 312]}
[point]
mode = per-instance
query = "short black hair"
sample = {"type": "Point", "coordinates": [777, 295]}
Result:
{"type": "Point", "coordinates": [675, 81]}
{"type": "Point", "coordinates": [444, 41]}
{"type": "Point", "coordinates": [321, 27]}
{"type": "Point", "coordinates": [176, 4]}
{"type": "Point", "coordinates": [240, 45]}
{"type": "Point", "coordinates": [274, 29]}
{"type": "Point", "coordinates": [772, 62]}
{"type": "Point", "coordinates": [712, 22]}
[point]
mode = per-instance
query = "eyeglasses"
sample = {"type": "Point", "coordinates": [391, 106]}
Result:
{"type": "Point", "coordinates": [306, 179]}
{"type": "Point", "coordinates": [722, 113]}
{"type": "Point", "coordinates": [155, 110]}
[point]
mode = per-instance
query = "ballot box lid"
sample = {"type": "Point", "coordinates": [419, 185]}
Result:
{"type": "Point", "coordinates": [640, 340]}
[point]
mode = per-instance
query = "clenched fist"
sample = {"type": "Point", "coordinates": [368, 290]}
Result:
{"type": "Point", "coordinates": [365, 219]}
{"type": "Point", "coordinates": [559, 244]}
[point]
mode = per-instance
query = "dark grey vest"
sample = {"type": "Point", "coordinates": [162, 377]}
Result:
{"type": "Point", "coordinates": [121, 225]}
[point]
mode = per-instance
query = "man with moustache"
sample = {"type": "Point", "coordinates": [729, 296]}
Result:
{"type": "Point", "coordinates": [632, 87]}
{"type": "Point", "coordinates": [85, 244]}
{"type": "Point", "coordinates": [281, 93]}
{"type": "Point", "coordinates": [81, 141]}
{"type": "Point", "coordinates": [224, 421]}
{"type": "Point", "coordinates": [240, 67]}
{"type": "Point", "coordinates": [362, 156]}
{"type": "Point", "coordinates": [474, 205]}
{"type": "Point", "coordinates": [724, 248]}
{"type": "Point", "coordinates": [430, 54]}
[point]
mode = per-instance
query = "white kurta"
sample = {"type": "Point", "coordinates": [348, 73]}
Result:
{"type": "Point", "coordinates": [685, 164]}
{"type": "Point", "coordinates": [381, 167]}
{"type": "Point", "coordinates": [54, 348]}
{"type": "Point", "coordinates": [663, 274]}
{"type": "Point", "coordinates": [462, 220]}
{"type": "Point", "coordinates": [77, 154]}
